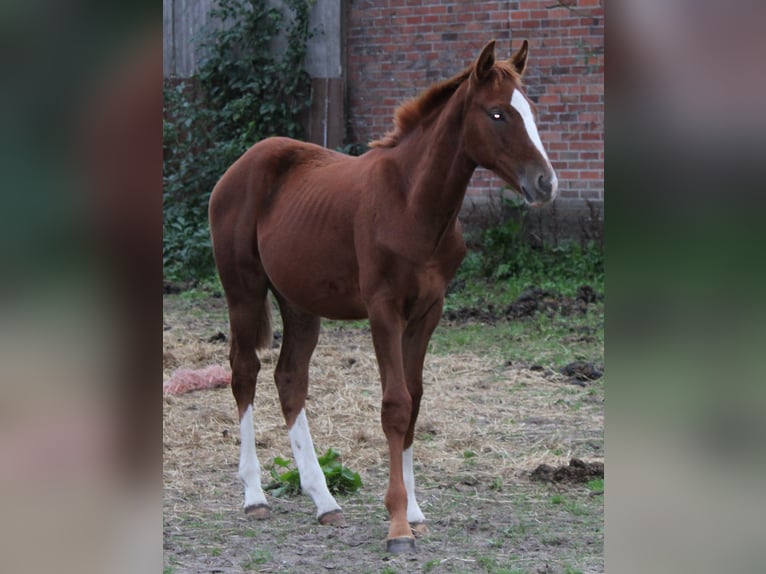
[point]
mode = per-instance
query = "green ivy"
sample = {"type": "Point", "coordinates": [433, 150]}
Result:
{"type": "Point", "coordinates": [245, 90]}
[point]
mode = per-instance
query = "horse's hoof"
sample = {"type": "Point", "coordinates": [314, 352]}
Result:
{"type": "Point", "coordinates": [333, 518]}
{"type": "Point", "coordinates": [419, 528]}
{"type": "Point", "coordinates": [400, 545]}
{"type": "Point", "coordinates": [258, 511]}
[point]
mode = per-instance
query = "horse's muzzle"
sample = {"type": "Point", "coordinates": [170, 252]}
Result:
{"type": "Point", "coordinates": [540, 189]}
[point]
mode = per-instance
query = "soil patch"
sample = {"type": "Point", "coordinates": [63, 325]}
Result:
{"type": "Point", "coordinates": [581, 372]}
{"type": "Point", "coordinates": [576, 471]}
{"type": "Point", "coordinates": [532, 301]}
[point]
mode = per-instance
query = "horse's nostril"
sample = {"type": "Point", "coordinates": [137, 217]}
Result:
{"type": "Point", "coordinates": [543, 184]}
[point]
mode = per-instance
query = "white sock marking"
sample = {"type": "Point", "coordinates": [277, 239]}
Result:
{"type": "Point", "coordinates": [249, 467]}
{"type": "Point", "coordinates": [312, 478]}
{"type": "Point", "coordinates": [521, 105]}
{"type": "Point", "coordinates": [414, 514]}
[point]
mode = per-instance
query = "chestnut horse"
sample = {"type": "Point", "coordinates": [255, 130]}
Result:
{"type": "Point", "coordinates": [375, 236]}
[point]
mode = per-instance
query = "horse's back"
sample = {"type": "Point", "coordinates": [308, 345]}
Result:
{"type": "Point", "coordinates": [252, 183]}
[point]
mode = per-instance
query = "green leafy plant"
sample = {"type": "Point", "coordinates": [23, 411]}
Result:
{"type": "Point", "coordinates": [340, 479]}
{"type": "Point", "coordinates": [244, 90]}
{"type": "Point", "coordinates": [504, 260]}
{"type": "Point", "coordinates": [503, 250]}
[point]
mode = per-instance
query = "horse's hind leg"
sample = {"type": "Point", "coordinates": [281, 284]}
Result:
{"type": "Point", "coordinates": [246, 317]}
{"type": "Point", "coordinates": [300, 336]}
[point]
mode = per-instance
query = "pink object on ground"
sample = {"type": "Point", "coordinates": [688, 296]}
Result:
{"type": "Point", "coordinates": [187, 380]}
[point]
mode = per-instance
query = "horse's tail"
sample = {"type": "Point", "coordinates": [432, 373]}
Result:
{"type": "Point", "coordinates": [264, 336]}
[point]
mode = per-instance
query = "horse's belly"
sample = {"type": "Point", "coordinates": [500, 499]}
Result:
{"type": "Point", "coordinates": [343, 307]}
{"type": "Point", "coordinates": [307, 249]}
{"type": "Point", "coordinates": [326, 297]}
{"type": "Point", "coordinates": [316, 281]}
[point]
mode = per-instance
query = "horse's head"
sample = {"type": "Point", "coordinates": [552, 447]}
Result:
{"type": "Point", "coordinates": [500, 130]}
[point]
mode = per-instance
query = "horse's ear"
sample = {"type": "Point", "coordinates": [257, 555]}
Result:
{"type": "Point", "coordinates": [519, 59]}
{"type": "Point", "coordinates": [484, 62]}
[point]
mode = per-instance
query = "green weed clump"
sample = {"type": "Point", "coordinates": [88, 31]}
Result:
{"type": "Point", "coordinates": [340, 479]}
{"type": "Point", "coordinates": [503, 251]}
{"type": "Point", "coordinates": [502, 262]}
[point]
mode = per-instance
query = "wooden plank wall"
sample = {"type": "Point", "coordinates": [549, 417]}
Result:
{"type": "Point", "coordinates": [326, 125]}
{"type": "Point", "coordinates": [182, 21]}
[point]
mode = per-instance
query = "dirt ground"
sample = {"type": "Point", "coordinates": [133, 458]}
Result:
{"type": "Point", "coordinates": [489, 442]}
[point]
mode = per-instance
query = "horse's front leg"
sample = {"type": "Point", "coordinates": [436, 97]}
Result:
{"type": "Point", "coordinates": [414, 346]}
{"type": "Point", "coordinates": [387, 329]}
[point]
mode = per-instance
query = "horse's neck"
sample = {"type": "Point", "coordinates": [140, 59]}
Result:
{"type": "Point", "coordinates": [439, 170]}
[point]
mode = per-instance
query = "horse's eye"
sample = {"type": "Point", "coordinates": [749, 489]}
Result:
{"type": "Point", "coordinates": [497, 116]}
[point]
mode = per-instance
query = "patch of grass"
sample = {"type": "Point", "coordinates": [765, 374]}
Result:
{"type": "Point", "coordinates": [203, 288]}
{"type": "Point", "coordinates": [491, 565]}
{"type": "Point", "coordinates": [479, 293]}
{"type": "Point", "coordinates": [516, 531]}
{"type": "Point", "coordinates": [496, 542]}
{"type": "Point", "coordinates": [569, 505]}
{"type": "Point", "coordinates": [257, 558]}
{"type": "Point", "coordinates": [596, 485]}
{"type": "Point", "coordinates": [476, 291]}
{"type": "Point", "coordinates": [541, 340]}
{"type": "Point", "coordinates": [552, 540]}
{"type": "Point", "coordinates": [195, 524]}
{"type": "Point", "coordinates": [557, 499]}
{"type": "Point", "coordinates": [424, 437]}
{"type": "Point", "coordinates": [332, 324]}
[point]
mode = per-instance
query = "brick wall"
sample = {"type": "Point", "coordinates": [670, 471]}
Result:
{"type": "Point", "coordinates": [397, 48]}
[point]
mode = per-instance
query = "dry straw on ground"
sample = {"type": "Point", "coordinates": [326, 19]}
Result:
{"type": "Point", "coordinates": [477, 417]}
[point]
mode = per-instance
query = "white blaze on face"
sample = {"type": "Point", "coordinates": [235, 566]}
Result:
{"type": "Point", "coordinates": [521, 105]}
{"type": "Point", "coordinates": [313, 481]}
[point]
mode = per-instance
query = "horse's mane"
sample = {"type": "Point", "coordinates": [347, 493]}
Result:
{"type": "Point", "coordinates": [412, 112]}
